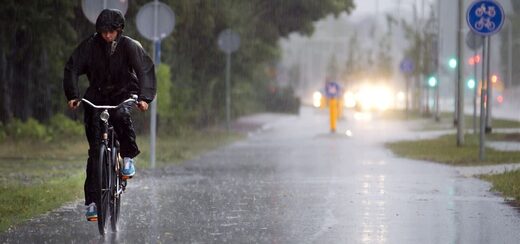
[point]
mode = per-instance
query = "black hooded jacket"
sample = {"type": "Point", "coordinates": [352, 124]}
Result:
{"type": "Point", "coordinates": [128, 70]}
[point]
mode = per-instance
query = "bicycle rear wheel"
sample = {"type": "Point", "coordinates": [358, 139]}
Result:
{"type": "Point", "coordinates": [115, 204]}
{"type": "Point", "coordinates": [105, 188]}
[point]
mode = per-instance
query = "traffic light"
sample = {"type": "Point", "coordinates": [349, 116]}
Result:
{"type": "Point", "coordinates": [471, 84]}
{"type": "Point", "coordinates": [476, 58]}
{"type": "Point", "coordinates": [432, 81]}
{"type": "Point", "coordinates": [473, 60]}
{"type": "Point", "coordinates": [452, 63]}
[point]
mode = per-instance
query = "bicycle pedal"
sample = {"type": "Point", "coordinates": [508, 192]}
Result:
{"type": "Point", "coordinates": [126, 177]}
{"type": "Point", "coordinates": [92, 219]}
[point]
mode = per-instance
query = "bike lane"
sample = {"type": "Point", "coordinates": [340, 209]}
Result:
{"type": "Point", "coordinates": [293, 182]}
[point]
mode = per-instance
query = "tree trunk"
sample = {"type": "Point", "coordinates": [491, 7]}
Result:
{"type": "Point", "coordinates": [6, 113]}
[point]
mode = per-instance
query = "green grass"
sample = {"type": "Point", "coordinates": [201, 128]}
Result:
{"type": "Point", "coordinates": [445, 120]}
{"type": "Point", "coordinates": [444, 150]}
{"type": "Point", "coordinates": [186, 146]}
{"type": "Point", "coordinates": [19, 202]}
{"type": "Point", "coordinates": [38, 177]}
{"type": "Point", "coordinates": [507, 183]}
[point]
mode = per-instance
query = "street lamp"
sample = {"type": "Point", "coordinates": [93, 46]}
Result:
{"type": "Point", "coordinates": [471, 84]}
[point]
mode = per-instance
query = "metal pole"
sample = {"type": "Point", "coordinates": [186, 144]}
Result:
{"type": "Point", "coordinates": [475, 92]}
{"type": "Point", "coordinates": [489, 97]}
{"type": "Point", "coordinates": [437, 104]}
{"type": "Point", "coordinates": [228, 97]}
{"type": "Point", "coordinates": [460, 87]}
{"type": "Point", "coordinates": [104, 4]}
{"type": "Point", "coordinates": [153, 112]}
{"type": "Point", "coordinates": [482, 138]}
{"type": "Point", "coordinates": [509, 54]}
{"type": "Point", "coordinates": [438, 46]}
{"type": "Point", "coordinates": [455, 83]}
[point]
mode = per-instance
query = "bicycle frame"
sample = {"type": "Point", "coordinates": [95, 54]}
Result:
{"type": "Point", "coordinates": [111, 182]}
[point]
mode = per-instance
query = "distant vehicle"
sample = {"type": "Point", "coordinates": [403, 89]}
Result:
{"type": "Point", "coordinates": [370, 97]}
{"type": "Point", "coordinates": [319, 100]}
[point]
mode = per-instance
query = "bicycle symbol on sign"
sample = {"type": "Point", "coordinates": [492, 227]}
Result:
{"type": "Point", "coordinates": [485, 22]}
{"type": "Point", "coordinates": [490, 11]}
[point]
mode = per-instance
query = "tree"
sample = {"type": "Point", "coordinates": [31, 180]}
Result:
{"type": "Point", "coordinates": [37, 37]}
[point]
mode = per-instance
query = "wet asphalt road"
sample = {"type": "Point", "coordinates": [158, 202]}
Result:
{"type": "Point", "coordinates": [294, 182]}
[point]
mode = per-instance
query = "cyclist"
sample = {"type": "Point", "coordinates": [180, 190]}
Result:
{"type": "Point", "coordinates": [116, 67]}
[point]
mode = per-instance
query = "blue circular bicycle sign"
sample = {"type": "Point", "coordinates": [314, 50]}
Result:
{"type": "Point", "coordinates": [485, 17]}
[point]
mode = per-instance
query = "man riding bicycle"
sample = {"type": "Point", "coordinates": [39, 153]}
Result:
{"type": "Point", "coordinates": [116, 67]}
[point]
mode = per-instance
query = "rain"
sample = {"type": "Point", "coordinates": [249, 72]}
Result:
{"type": "Point", "coordinates": [269, 121]}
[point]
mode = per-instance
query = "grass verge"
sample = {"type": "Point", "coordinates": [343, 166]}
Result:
{"type": "Point", "coordinates": [444, 150]}
{"type": "Point", "coordinates": [38, 177]}
{"type": "Point", "coordinates": [19, 202]}
{"type": "Point", "coordinates": [507, 183]}
{"type": "Point", "coordinates": [445, 120]}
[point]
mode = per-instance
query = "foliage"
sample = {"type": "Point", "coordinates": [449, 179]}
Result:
{"type": "Point", "coordinates": [36, 38]}
{"type": "Point", "coordinates": [164, 86]}
{"type": "Point", "coordinates": [282, 99]}
{"type": "Point", "coordinates": [61, 126]}
{"type": "Point", "coordinates": [29, 130]}
{"type": "Point", "coordinates": [58, 127]}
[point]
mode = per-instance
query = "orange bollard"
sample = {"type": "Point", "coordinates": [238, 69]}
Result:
{"type": "Point", "coordinates": [333, 108]}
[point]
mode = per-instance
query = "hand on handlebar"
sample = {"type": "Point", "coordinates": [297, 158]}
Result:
{"type": "Point", "coordinates": [73, 104]}
{"type": "Point", "coordinates": [142, 105]}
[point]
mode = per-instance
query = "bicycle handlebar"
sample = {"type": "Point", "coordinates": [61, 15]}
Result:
{"type": "Point", "coordinates": [132, 99]}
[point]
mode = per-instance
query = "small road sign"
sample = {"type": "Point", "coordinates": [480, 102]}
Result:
{"type": "Point", "coordinates": [228, 41]}
{"type": "Point", "coordinates": [485, 17]}
{"type": "Point", "coordinates": [332, 89]}
{"type": "Point", "coordinates": [92, 8]}
{"type": "Point", "coordinates": [407, 66]}
{"type": "Point", "coordinates": [155, 20]}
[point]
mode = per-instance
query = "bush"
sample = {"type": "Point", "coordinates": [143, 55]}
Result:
{"type": "Point", "coordinates": [2, 133]}
{"type": "Point", "coordinates": [61, 126]}
{"type": "Point", "coordinates": [283, 100]}
{"type": "Point", "coordinates": [29, 130]}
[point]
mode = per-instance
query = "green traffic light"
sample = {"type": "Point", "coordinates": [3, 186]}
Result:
{"type": "Point", "coordinates": [432, 81]}
{"type": "Point", "coordinates": [471, 84]}
{"type": "Point", "coordinates": [452, 63]}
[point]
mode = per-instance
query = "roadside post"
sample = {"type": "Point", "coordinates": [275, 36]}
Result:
{"type": "Point", "coordinates": [332, 92]}
{"type": "Point", "coordinates": [474, 42]}
{"type": "Point", "coordinates": [228, 42]}
{"type": "Point", "coordinates": [155, 21]}
{"type": "Point", "coordinates": [485, 18]}
{"type": "Point", "coordinates": [92, 8]}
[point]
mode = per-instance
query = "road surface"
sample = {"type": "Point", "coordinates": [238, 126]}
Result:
{"type": "Point", "coordinates": [294, 182]}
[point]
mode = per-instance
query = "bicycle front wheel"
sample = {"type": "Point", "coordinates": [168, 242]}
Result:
{"type": "Point", "coordinates": [115, 204]}
{"type": "Point", "coordinates": [104, 189]}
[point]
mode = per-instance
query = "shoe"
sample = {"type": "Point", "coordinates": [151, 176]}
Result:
{"type": "Point", "coordinates": [91, 212]}
{"type": "Point", "coordinates": [128, 168]}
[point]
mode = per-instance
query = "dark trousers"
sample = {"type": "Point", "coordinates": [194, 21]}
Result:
{"type": "Point", "coordinates": [124, 129]}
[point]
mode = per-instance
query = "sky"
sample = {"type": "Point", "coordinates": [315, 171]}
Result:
{"type": "Point", "coordinates": [365, 7]}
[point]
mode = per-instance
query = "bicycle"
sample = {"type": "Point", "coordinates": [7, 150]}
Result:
{"type": "Point", "coordinates": [111, 181]}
